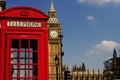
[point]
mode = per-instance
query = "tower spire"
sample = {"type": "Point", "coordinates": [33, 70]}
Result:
{"type": "Point", "coordinates": [52, 14]}
{"type": "Point", "coordinates": [52, 9]}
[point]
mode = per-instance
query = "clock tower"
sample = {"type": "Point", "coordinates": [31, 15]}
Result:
{"type": "Point", "coordinates": [54, 45]}
{"type": "Point", "coordinates": [2, 5]}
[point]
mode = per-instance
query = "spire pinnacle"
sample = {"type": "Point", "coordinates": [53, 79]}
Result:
{"type": "Point", "coordinates": [114, 53]}
{"type": "Point", "coordinates": [83, 67]}
{"type": "Point", "coordinates": [52, 9]}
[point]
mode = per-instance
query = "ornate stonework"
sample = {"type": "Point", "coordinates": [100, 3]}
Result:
{"type": "Point", "coordinates": [55, 45]}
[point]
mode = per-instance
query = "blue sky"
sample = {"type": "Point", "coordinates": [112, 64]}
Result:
{"type": "Point", "coordinates": [91, 28]}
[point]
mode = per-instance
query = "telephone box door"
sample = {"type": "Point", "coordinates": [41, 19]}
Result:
{"type": "Point", "coordinates": [22, 57]}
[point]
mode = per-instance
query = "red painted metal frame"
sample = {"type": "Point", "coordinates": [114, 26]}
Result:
{"type": "Point", "coordinates": [8, 53]}
{"type": "Point", "coordinates": [7, 33]}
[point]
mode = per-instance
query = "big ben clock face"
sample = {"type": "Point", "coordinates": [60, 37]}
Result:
{"type": "Point", "coordinates": [53, 34]}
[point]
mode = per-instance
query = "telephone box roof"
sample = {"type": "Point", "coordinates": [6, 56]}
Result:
{"type": "Point", "coordinates": [23, 12]}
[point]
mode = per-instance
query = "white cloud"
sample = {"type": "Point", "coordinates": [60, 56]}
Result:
{"type": "Point", "coordinates": [103, 46]}
{"type": "Point", "coordinates": [107, 45]}
{"type": "Point", "coordinates": [90, 18]}
{"type": "Point", "coordinates": [100, 2]}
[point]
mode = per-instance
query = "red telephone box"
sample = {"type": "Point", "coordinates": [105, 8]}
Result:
{"type": "Point", "coordinates": [23, 44]}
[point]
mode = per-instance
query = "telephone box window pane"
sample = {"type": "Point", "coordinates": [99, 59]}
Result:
{"type": "Point", "coordinates": [33, 44]}
{"type": "Point", "coordinates": [35, 70]}
{"type": "Point", "coordinates": [35, 57]}
{"type": "Point", "coordinates": [15, 71]}
{"type": "Point", "coordinates": [24, 44]}
{"type": "Point", "coordinates": [24, 57]}
{"type": "Point", "coordinates": [23, 70]}
{"type": "Point", "coordinates": [14, 56]}
{"type": "Point", "coordinates": [31, 61]}
{"type": "Point", "coordinates": [24, 54]}
{"type": "Point", "coordinates": [23, 73]}
{"type": "Point", "coordinates": [31, 57]}
{"type": "Point", "coordinates": [31, 72]}
{"type": "Point", "coordinates": [15, 44]}
{"type": "Point", "coordinates": [24, 61]}
{"type": "Point", "coordinates": [31, 54]}
{"type": "Point", "coordinates": [14, 61]}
